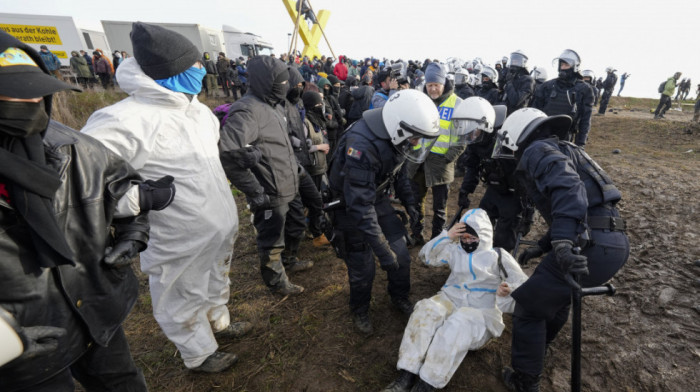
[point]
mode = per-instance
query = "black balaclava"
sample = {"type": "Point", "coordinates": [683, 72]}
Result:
{"type": "Point", "coordinates": [470, 247]}
{"type": "Point", "coordinates": [279, 86]}
{"type": "Point", "coordinates": [294, 94]}
{"type": "Point", "coordinates": [23, 119]}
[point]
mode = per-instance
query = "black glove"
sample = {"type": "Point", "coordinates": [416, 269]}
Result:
{"type": "Point", "coordinates": [156, 195]}
{"type": "Point", "coordinates": [463, 200]}
{"type": "Point", "coordinates": [259, 201]}
{"type": "Point", "coordinates": [568, 261]}
{"type": "Point", "coordinates": [387, 258]}
{"type": "Point", "coordinates": [39, 340]}
{"type": "Point", "coordinates": [122, 253]}
{"type": "Point", "coordinates": [524, 227]}
{"type": "Point", "coordinates": [529, 253]}
{"type": "Point", "coordinates": [413, 214]}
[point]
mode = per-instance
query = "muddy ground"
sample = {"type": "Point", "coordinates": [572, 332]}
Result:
{"type": "Point", "coordinates": [645, 338]}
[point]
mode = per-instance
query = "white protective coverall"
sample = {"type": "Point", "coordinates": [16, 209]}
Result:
{"type": "Point", "coordinates": [466, 313]}
{"type": "Point", "coordinates": [161, 132]}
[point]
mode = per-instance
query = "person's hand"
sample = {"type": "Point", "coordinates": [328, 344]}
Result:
{"type": "Point", "coordinates": [325, 148]}
{"type": "Point", "coordinates": [393, 84]}
{"type": "Point", "coordinates": [463, 200]}
{"type": "Point", "coordinates": [388, 262]}
{"type": "Point", "coordinates": [568, 261]}
{"type": "Point", "coordinates": [413, 214]}
{"type": "Point", "coordinates": [259, 201]}
{"type": "Point", "coordinates": [503, 290]}
{"type": "Point", "coordinates": [123, 253]}
{"type": "Point", "coordinates": [39, 340]}
{"type": "Point", "coordinates": [156, 195]}
{"type": "Point", "coordinates": [529, 253]}
{"type": "Point", "coordinates": [457, 231]}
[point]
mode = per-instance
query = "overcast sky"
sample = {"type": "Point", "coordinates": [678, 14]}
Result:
{"type": "Point", "coordinates": [650, 40]}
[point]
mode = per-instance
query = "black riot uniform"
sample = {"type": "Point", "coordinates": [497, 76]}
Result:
{"type": "Point", "coordinates": [518, 89]}
{"type": "Point", "coordinates": [577, 199]}
{"type": "Point", "coordinates": [570, 95]}
{"type": "Point", "coordinates": [500, 201]}
{"type": "Point", "coordinates": [488, 91]}
{"type": "Point", "coordinates": [364, 167]}
{"type": "Point", "coordinates": [609, 87]}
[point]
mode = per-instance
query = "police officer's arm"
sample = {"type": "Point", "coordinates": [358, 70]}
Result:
{"type": "Point", "coordinates": [403, 188]}
{"type": "Point", "coordinates": [471, 173]}
{"type": "Point", "coordinates": [584, 102]}
{"type": "Point", "coordinates": [519, 95]}
{"type": "Point", "coordinates": [454, 151]}
{"type": "Point", "coordinates": [539, 101]}
{"type": "Point", "coordinates": [237, 157]}
{"type": "Point", "coordinates": [555, 176]}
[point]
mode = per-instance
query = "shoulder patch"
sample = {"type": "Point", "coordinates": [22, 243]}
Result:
{"type": "Point", "coordinates": [354, 153]}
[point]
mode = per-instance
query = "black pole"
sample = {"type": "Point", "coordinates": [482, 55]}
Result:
{"type": "Point", "coordinates": [576, 336]}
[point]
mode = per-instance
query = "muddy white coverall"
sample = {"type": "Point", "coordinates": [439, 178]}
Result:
{"type": "Point", "coordinates": [466, 313]}
{"type": "Point", "coordinates": [160, 132]}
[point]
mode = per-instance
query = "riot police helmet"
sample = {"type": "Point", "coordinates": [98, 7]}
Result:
{"type": "Point", "coordinates": [539, 74]}
{"type": "Point", "coordinates": [472, 120]}
{"type": "Point", "coordinates": [518, 59]}
{"type": "Point", "coordinates": [525, 126]}
{"type": "Point", "coordinates": [489, 72]}
{"type": "Point", "coordinates": [570, 57]}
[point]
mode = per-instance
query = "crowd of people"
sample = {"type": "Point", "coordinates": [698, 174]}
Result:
{"type": "Point", "coordinates": [315, 145]}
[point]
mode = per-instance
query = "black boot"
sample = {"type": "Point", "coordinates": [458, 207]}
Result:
{"type": "Point", "coordinates": [520, 382]}
{"type": "Point", "coordinates": [363, 322]}
{"type": "Point", "coordinates": [402, 384]}
{"type": "Point", "coordinates": [404, 305]}
{"type": "Point", "coordinates": [422, 386]}
{"type": "Point", "coordinates": [290, 260]}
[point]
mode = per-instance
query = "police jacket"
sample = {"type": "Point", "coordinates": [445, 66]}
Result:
{"type": "Point", "coordinates": [478, 165]}
{"type": "Point", "coordinates": [609, 82]}
{"type": "Point", "coordinates": [567, 187]}
{"type": "Point", "coordinates": [464, 91]}
{"type": "Point", "coordinates": [258, 120]}
{"type": "Point", "coordinates": [363, 167]}
{"type": "Point", "coordinates": [87, 299]}
{"type": "Point", "coordinates": [517, 90]}
{"type": "Point", "coordinates": [488, 91]}
{"type": "Point", "coordinates": [571, 97]}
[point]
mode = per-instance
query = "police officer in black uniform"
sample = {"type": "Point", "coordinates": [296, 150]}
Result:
{"type": "Point", "coordinates": [519, 85]}
{"type": "Point", "coordinates": [369, 158]}
{"type": "Point", "coordinates": [488, 88]}
{"type": "Point", "coordinates": [589, 78]}
{"type": "Point", "coordinates": [568, 94]}
{"type": "Point", "coordinates": [608, 87]}
{"type": "Point", "coordinates": [577, 200]}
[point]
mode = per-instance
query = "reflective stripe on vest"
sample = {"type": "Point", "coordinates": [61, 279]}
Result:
{"type": "Point", "coordinates": [443, 142]}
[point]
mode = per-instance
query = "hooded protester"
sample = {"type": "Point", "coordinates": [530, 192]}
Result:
{"type": "Point", "coordinates": [437, 172]}
{"type": "Point", "coordinates": [256, 152]}
{"type": "Point", "coordinates": [362, 100]}
{"type": "Point", "coordinates": [341, 70]}
{"type": "Point", "coordinates": [162, 126]}
{"type": "Point", "coordinates": [466, 313]}
{"type": "Point", "coordinates": [316, 135]}
{"type": "Point", "coordinates": [333, 120]}
{"type": "Point", "coordinates": [328, 66]}
{"type": "Point", "coordinates": [71, 222]}
{"type": "Point", "coordinates": [81, 69]}
{"type": "Point", "coordinates": [338, 112]}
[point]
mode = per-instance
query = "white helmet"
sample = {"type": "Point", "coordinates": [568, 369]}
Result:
{"type": "Point", "coordinates": [491, 73]}
{"type": "Point", "coordinates": [473, 80]}
{"type": "Point", "coordinates": [518, 59]}
{"type": "Point", "coordinates": [610, 69]}
{"type": "Point", "coordinates": [471, 119]}
{"type": "Point", "coordinates": [461, 77]}
{"type": "Point", "coordinates": [587, 73]}
{"type": "Point", "coordinates": [539, 74]}
{"type": "Point", "coordinates": [570, 57]}
{"type": "Point", "coordinates": [408, 115]}
{"type": "Point", "coordinates": [524, 126]}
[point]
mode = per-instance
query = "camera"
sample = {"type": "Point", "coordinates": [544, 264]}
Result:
{"type": "Point", "coordinates": [398, 72]}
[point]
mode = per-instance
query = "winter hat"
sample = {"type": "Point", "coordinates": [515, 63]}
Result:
{"type": "Point", "coordinates": [43, 47]}
{"type": "Point", "coordinates": [160, 52]}
{"type": "Point", "coordinates": [334, 79]}
{"type": "Point", "coordinates": [311, 99]}
{"type": "Point", "coordinates": [435, 74]}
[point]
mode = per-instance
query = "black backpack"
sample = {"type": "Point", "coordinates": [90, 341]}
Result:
{"type": "Point", "coordinates": [662, 87]}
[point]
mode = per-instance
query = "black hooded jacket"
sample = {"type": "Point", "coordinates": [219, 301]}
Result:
{"type": "Point", "coordinates": [256, 120]}
{"type": "Point", "coordinates": [295, 123]}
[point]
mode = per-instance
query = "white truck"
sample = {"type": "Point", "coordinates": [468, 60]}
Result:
{"type": "Point", "coordinates": [205, 39]}
{"type": "Point", "coordinates": [240, 44]}
{"type": "Point", "coordinates": [58, 33]}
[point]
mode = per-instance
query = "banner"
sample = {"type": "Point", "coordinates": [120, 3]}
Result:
{"type": "Point", "coordinates": [40, 35]}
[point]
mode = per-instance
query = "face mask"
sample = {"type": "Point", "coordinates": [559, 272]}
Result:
{"type": "Point", "coordinates": [320, 110]}
{"type": "Point", "coordinates": [188, 82]}
{"type": "Point", "coordinates": [566, 74]}
{"type": "Point", "coordinates": [22, 119]}
{"type": "Point", "coordinates": [469, 247]}
{"type": "Point", "coordinates": [294, 94]}
{"type": "Point", "coordinates": [279, 90]}
{"type": "Point", "coordinates": [336, 91]}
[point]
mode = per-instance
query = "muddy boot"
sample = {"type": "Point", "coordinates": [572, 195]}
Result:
{"type": "Point", "coordinates": [290, 260]}
{"type": "Point", "coordinates": [217, 362]}
{"type": "Point", "coordinates": [288, 288]}
{"type": "Point", "coordinates": [422, 386]}
{"type": "Point", "coordinates": [363, 322]}
{"type": "Point", "coordinates": [404, 305]}
{"type": "Point", "coordinates": [234, 330]}
{"type": "Point", "coordinates": [520, 382]}
{"type": "Point", "coordinates": [321, 241]}
{"type": "Point", "coordinates": [402, 384]}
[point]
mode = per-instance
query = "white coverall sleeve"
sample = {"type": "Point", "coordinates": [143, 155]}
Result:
{"type": "Point", "coordinates": [128, 205]}
{"type": "Point", "coordinates": [438, 251]}
{"type": "Point", "coordinates": [516, 277]}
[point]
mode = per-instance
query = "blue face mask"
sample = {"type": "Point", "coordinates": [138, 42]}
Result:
{"type": "Point", "coordinates": [189, 82]}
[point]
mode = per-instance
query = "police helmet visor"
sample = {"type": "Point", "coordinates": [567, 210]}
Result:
{"type": "Point", "coordinates": [500, 151]}
{"type": "Point", "coordinates": [518, 60]}
{"type": "Point", "coordinates": [417, 146]}
{"type": "Point", "coordinates": [460, 79]}
{"type": "Point", "coordinates": [569, 57]}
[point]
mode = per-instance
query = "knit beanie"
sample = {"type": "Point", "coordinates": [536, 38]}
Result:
{"type": "Point", "coordinates": [311, 99]}
{"type": "Point", "coordinates": [435, 74]}
{"type": "Point", "coordinates": [160, 52]}
{"type": "Point", "coordinates": [334, 79]}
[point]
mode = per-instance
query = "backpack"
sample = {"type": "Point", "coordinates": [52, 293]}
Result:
{"type": "Point", "coordinates": [221, 112]}
{"type": "Point", "coordinates": [662, 87]}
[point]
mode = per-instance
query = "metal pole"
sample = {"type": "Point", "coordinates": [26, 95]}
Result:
{"type": "Point", "coordinates": [323, 32]}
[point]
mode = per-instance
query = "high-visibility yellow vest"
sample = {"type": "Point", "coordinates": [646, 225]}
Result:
{"type": "Point", "coordinates": [443, 142]}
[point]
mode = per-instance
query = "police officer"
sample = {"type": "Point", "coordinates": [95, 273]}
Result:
{"type": "Point", "coordinates": [369, 158]}
{"type": "Point", "coordinates": [462, 87]}
{"type": "Point", "coordinates": [577, 200]}
{"type": "Point", "coordinates": [519, 85]}
{"type": "Point", "coordinates": [589, 78]}
{"type": "Point", "coordinates": [608, 87]}
{"type": "Point", "coordinates": [540, 76]}
{"type": "Point", "coordinates": [488, 88]}
{"type": "Point", "coordinates": [568, 94]}
{"type": "Point", "coordinates": [500, 200]}
{"type": "Point", "coordinates": [437, 172]}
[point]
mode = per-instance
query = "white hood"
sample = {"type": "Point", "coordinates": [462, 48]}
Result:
{"type": "Point", "coordinates": [136, 83]}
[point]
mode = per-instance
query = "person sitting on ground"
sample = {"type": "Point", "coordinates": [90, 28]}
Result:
{"type": "Point", "coordinates": [466, 313]}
